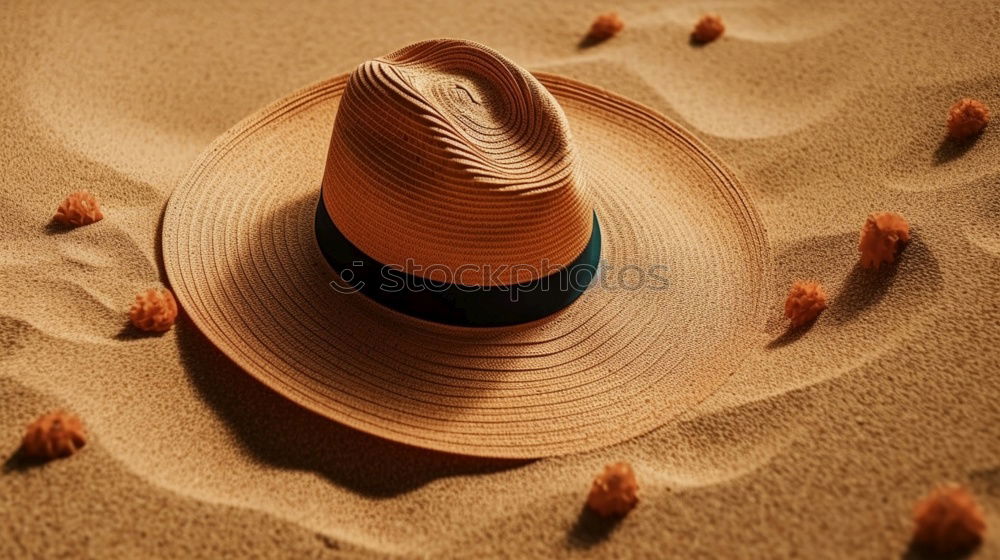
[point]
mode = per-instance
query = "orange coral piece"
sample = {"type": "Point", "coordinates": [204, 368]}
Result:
{"type": "Point", "coordinates": [614, 491]}
{"type": "Point", "coordinates": [606, 26]}
{"type": "Point", "coordinates": [56, 434]}
{"type": "Point", "coordinates": [708, 28]}
{"type": "Point", "coordinates": [79, 209]}
{"type": "Point", "coordinates": [948, 521]}
{"type": "Point", "coordinates": [967, 117]}
{"type": "Point", "coordinates": [154, 310]}
{"type": "Point", "coordinates": [805, 301]}
{"type": "Point", "coordinates": [881, 238]}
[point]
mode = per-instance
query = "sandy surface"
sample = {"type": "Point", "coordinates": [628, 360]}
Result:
{"type": "Point", "coordinates": [817, 448]}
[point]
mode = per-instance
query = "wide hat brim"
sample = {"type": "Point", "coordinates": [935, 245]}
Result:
{"type": "Point", "coordinates": [677, 307]}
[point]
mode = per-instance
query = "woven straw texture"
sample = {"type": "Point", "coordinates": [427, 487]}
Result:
{"type": "Point", "coordinates": [446, 155]}
{"type": "Point", "coordinates": [241, 255]}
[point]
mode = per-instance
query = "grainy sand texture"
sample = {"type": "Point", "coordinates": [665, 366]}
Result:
{"type": "Point", "coordinates": [817, 447]}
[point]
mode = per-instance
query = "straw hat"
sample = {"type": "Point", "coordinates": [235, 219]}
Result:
{"type": "Point", "coordinates": [477, 260]}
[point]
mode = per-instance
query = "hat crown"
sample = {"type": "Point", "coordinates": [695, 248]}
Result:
{"type": "Point", "coordinates": [453, 162]}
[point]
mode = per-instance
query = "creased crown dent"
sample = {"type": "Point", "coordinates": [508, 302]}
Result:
{"type": "Point", "coordinates": [444, 154]}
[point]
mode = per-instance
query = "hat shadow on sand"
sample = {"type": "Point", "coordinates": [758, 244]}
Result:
{"type": "Point", "coordinates": [280, 433]}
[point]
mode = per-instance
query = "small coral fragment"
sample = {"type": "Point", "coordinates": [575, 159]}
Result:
{"type": "Point", "coordinates": [56, 434]}
{"type": "Point", "coordinates": [967, 117]}
{"type": "Point", "coordinates": [79, 209]}
{"type": "Point", "coordinates": [614, 492]}
{"type": "Point", "coordinates": [606, 26]}
{"type": "Point", "coordinates": [948, 521]}
{"type": "Point", "coordinates": [708, 29]}
{"type": "Point", "coordinates": [805, 301]}
{"type": "Point", "coordinates": [882, 236]}
{"type": "Point", "coordinates": [153, 310]}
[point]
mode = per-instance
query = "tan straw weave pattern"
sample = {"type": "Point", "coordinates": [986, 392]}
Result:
{"type": "Point", "coordinates": [449, 155]}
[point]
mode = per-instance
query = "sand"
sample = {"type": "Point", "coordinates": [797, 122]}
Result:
{"type": "Point", "coordinates": [816, 448]}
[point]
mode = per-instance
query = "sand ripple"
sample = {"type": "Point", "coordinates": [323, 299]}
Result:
{"type": "Point", "coordinates": [981, 216]}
